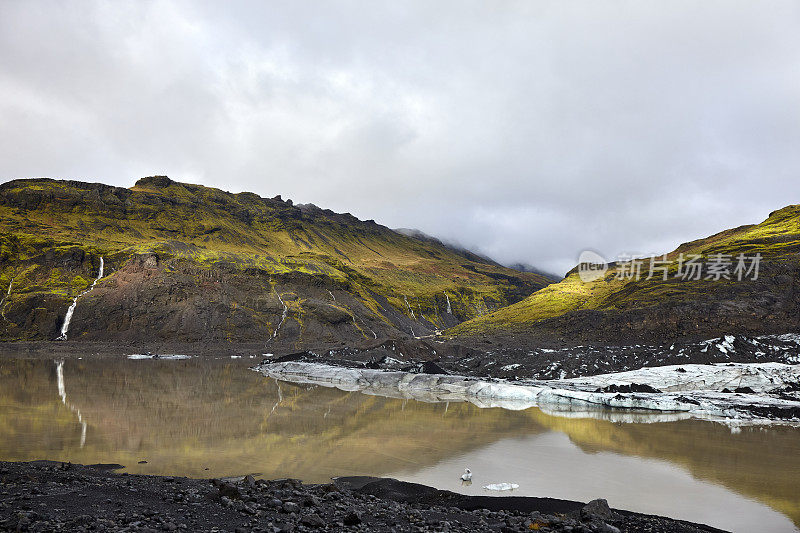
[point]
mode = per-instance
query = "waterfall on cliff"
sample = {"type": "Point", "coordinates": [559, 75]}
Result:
{"type": "Point", "coordinates": [409, 308]}
{"type": "Point", "coordinates": [283, 316]}
{"type": "Point", "coordinates": [5, 299]}
{"type": "Point", "coordinates": [74, 304]}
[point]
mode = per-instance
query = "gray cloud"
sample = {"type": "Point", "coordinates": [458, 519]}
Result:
{"type": "Point", "coordinates": [525, 130]}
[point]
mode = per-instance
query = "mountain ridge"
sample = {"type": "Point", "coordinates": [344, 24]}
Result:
{"type": "Point", "coordinates": [614, 308]}
{"type": "Point", "coordinates": [194, 263]}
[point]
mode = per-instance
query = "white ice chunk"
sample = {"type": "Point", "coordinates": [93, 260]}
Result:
{"type": "Point", "coordinates": [501, 486]}
{"type": "Point", "coordinates": [168, 357]}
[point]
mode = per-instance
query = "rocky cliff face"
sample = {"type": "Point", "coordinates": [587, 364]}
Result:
{"type": "Point", "coordinates": [195, 264]}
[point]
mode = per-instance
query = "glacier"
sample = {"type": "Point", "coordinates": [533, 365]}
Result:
{"type": "Point", "coordinates": [684, 391]}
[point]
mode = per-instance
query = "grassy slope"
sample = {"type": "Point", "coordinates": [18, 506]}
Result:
{"type": "Point", "coordinates": [777, 239]}
{"type": "Point", "coordinates": [49, 219]}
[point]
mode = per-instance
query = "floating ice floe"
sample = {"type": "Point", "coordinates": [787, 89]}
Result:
{"type": "Point", "coordinates": [168, 357]}
{"type": "Point", "coordinates": [501, 486]}
{"type": "Point", "coordinates": [682, 391]}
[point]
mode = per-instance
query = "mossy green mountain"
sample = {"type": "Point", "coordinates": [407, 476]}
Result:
{"type": "Point", "coordinates": [620, 306]}
{"type": "Point", "coordinates": [192, 263]}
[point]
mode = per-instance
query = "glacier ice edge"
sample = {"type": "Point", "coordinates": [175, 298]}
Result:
{"type": "Point", "coordinates": [689, 391]}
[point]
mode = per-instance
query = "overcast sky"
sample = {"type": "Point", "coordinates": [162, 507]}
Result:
{"type": "Point", "coordinates": [528, 131]}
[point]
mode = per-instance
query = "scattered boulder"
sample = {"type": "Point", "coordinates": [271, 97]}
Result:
{"type": "Point", "coordinates": [291, 507]}
{"type": "Point", "coordinates": [283, 527]}
{"type": "Point", "coordinates": [429, 367]}
{"type": "Point", "coordinates": [351, 519]}
{"type": "Point", "coordinates": [312, 520]}
{"type": "Point", "coordinates": [227, 490]}
{"type": "Point", "coordinates": [597, 509]}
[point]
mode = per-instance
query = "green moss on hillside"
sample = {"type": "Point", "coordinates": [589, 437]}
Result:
{"type": "Point", "coordinates": [777, 239]}
{"type": "Point", "coordinates": [52, 234]}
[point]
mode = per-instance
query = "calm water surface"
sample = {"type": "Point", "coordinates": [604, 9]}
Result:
{"type": "Point", "coordinates": [207, 418]}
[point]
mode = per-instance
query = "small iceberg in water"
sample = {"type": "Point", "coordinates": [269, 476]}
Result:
{"type": "Point", "coordinates": [148, 355]}
{"type": "Point", "coordinates": [501, 486]}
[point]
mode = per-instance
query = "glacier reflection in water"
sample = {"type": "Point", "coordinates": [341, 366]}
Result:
{"type": "Point", "coordinates": [203, 418]}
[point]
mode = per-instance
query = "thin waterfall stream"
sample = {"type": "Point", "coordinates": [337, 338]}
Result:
{"type": "Point", "coordinates": [74, 304]}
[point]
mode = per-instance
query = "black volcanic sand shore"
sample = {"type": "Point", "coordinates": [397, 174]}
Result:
{"type": "Point", "coordinates": [51, 496]}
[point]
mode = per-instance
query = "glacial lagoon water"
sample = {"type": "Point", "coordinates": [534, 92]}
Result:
{"type": "Point", "coordinates": [215, 417]}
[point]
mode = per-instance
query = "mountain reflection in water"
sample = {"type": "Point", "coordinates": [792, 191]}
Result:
{"type": "Point", "coordinates": [207, 418]}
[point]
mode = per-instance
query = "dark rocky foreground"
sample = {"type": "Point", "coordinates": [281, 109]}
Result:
{"type": "Point", "coordinates": [51, 496]}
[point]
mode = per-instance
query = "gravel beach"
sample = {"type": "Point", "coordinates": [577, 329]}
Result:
{"type": "Point", "coordinates": [53, 496]}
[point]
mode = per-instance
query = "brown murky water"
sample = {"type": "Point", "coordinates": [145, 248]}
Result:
{"type": "Point", "coordinates": [205, 418]}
